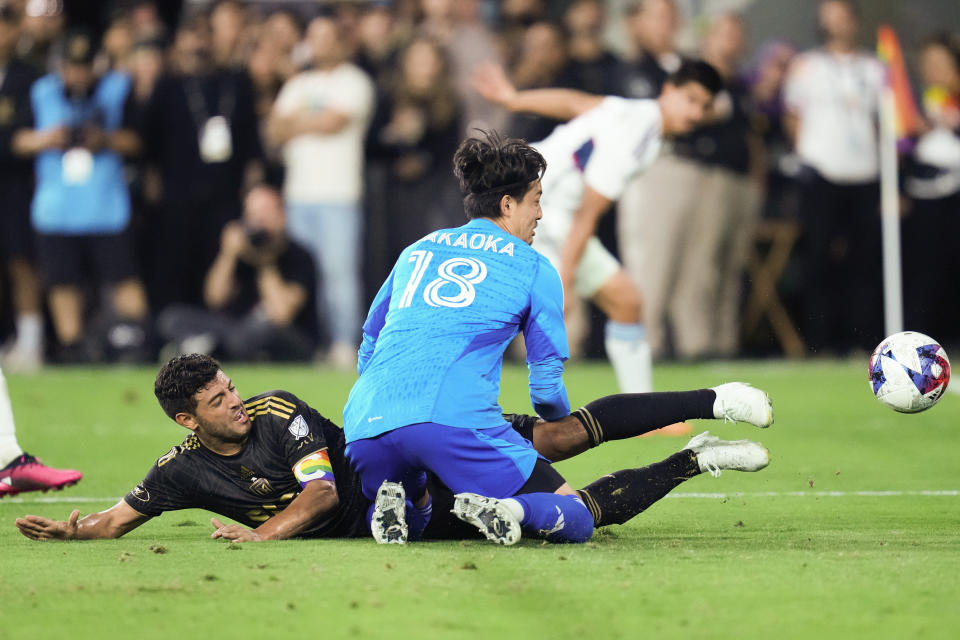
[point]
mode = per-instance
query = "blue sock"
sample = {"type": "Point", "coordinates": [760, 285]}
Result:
{"type": "Point", "coordinates": [417, 519]}
{"type": "Point", "coordinates": [556, 518]}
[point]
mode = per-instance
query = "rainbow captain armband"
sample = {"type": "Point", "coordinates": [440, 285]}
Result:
{"type": "Point", "coordinates": [315, 466]}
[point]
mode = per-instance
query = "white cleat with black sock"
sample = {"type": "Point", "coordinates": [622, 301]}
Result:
{"type": "Point", "coordinates": [739, 402]}
{"type": "Point", "coordinates": [714, 455]}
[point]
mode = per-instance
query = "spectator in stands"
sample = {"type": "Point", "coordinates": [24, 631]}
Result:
{"type": "Point", "coordinates": [201, 134]}
{"type": "Point", "coordinates": [414, 133]}
{"type": "Point", "coordinates": [321, 118]}
{"type": "Point", "coordinates": [378, 42]}
{"type": "Point", "coordinates": [17, 252]}
{"type": "Point", "coordinates": [931, 228]}
{"type": "Point", "coordinates": [831, 96]}
{"type": "Point", "coordinates": [543, 62]}
{"type": "Point", "coordinates": [258, 293]}
{"type": "Point", "coordinates": [596, 68]}
{"type": "Point", "coordinates": [270, 63]}
{"type": "Point", "coordinates": [467, 41]}
{"type": "Point", "coordinates": [81, 207]}
{"type": "Point", "coordinates": [514, 18]}
{"type": "Point", "coordinates": [227, 22]}
{"type": "Point", "coordinates": [43, 24]}
{"type": "Point", "coordinates": [692, 269]}
{"type": "Point", "coordinates": [652, 27]}
{"type": "Point", "coordinates": [765, 79]}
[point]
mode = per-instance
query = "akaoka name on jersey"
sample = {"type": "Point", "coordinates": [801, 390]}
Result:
{"type": "Point", "coordinates": [476, 241]}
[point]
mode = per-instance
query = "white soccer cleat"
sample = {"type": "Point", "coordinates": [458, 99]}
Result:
{"type": "Point", "coordinates": [715, 455]}
{"type": "Point", "coordinates": [738, 401]}
{"type": "Point", "coordinates": [389, 522]}
{"type": "Point", "coordinates": [489, 515]}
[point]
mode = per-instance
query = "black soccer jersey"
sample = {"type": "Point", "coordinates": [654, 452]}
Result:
{"type": "Point", "coordinates": [288, 439]}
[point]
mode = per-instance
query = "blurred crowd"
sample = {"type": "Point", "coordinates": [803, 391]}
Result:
{"type": "Point", "coordinates": [239, 177]}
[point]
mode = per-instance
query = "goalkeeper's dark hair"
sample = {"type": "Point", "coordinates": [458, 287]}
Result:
{"type": "Point", "coordinates": [489, 167]}
{"type": "Point", "coordinates": [180, 379]}
{"type": "Point", "coordinates": [699, 71]}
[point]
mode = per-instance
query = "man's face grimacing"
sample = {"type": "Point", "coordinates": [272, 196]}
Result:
{"type": "Point", "coordinates": [684, 107]}
{"type": "Point", "coordinates": [523, 215]}
{"type": "Point", "coordinates": [220, 417]}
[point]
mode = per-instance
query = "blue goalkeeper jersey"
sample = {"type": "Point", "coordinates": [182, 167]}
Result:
{"type": "Point", "coordinates": [434, 338]}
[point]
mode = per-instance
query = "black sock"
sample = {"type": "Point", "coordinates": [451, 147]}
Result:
{"type": "Point", "coordinates": [616, 498]}
{"type": "Point", "coordinates": [632, 414]}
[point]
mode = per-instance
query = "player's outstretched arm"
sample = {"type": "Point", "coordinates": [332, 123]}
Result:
{"type": "Point", "coordinates": [592, 207]}
{"type": "Point", "coordinates": [491, 82]}
{"type": "Point", "coordinates": [318, 498]}
{"type": "Point", "coordinates": [112, 523]}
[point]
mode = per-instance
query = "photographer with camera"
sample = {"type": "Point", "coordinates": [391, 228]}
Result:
{"type": "Point", "coordinates": [80, 133]}
{"type": "Point", "coordinates": [258, 292]}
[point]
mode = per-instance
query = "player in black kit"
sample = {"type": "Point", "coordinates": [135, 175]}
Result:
{"type": "Point", "coordinates": [277, 466]}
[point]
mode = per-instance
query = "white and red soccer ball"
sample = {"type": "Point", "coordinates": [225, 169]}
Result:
{"type": "Point", "coordinates": [909, 372]}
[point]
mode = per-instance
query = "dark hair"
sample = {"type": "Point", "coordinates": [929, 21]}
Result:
{"type": "Point", "coordinates": [180, 379]}
{"type": "Point", "coordinates": [490, 167]}
{"type": "Point", "coordinates": [699, 71]}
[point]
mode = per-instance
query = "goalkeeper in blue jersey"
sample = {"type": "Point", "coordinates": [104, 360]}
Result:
{"type": "Point", "coordinates": [430, 363]}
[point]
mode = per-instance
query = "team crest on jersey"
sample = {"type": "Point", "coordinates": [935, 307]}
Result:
{"type": "Point", "coordinates": [261, 487]}
{"type": "Point", "coordinates": [298, 428]}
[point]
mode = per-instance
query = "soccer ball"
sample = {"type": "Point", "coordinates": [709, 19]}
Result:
{"type": "Point", "coordinates": [909, 372]}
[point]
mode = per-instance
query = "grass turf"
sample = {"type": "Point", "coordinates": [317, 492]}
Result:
{"type": "Point", "coordinates": [799, 550]}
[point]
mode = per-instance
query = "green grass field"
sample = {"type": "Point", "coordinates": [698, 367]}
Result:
{"type": "Point", "coordinates": [807, 548]}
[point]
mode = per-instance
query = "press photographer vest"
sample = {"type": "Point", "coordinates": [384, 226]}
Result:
{"type": "Point", "coordinates": [90, 199]}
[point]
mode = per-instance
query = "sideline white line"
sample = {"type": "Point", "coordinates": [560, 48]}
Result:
{"type": "Point", "coordinates": [814, 494]}
{"type": "Point", "coordinates": [702, 496]}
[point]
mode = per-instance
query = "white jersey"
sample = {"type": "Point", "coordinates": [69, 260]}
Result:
{"type": "Point", "coordinates": [324, 168]}
{"type": "Point", "coordinates": [835, 98]}
{"type": "Point", "coordinates": [604, 148]}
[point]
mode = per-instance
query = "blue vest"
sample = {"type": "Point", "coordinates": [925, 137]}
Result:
{"type": "Point", "coordinates": [101, 203]}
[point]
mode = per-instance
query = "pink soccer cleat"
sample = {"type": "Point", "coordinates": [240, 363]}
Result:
{"type": "Point", "coordinates": [27, 473]}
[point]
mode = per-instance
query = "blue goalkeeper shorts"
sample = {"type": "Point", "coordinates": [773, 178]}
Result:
{"type": "Point", "coordinates": [492, 462]}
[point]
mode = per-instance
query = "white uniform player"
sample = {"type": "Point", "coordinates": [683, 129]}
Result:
{"type": "Point", "coordinates": [590, 159]}
{"type": "Point", "coordinates": [603, 148]}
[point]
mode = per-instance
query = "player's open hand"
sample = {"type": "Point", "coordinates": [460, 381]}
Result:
{"type": "Point", "coordinates": [491, 82]}
{"type": "Point", "coordinates": [40, 528]}
{"type": "Point", "coordinates": [233, 532]}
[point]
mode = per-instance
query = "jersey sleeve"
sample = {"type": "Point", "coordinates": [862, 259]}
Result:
{"type": "Point", "coordinates": [374, 322]}
{"type": "Point", "coordinates": [159, 491]}
{"type": "Point", "coordinates": [618, 156]}
{"type": "Point", "coordinates": [545, 336]}
{"type": "Point", "coordinates": [300, 431]}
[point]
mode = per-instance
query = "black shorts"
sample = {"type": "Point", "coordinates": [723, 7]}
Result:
{"type": "Point", "coordinates": [17, 238]}
{"type": "Point", "coordinates": [75, 260]}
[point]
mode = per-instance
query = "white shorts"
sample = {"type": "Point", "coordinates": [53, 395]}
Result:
{"type": "Point", "coordinates": [597, 265]}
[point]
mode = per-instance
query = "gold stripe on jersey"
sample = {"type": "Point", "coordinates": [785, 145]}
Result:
{"type": "Point", "coordinates": [594, 432]}
{"type": "Point", "coordinates": [279, 403]}
{"type": "Point", "coordinates": [268, 411]}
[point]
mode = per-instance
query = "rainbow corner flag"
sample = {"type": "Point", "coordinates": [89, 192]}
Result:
{"type": "Point", "coordinates": [906, 115]}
